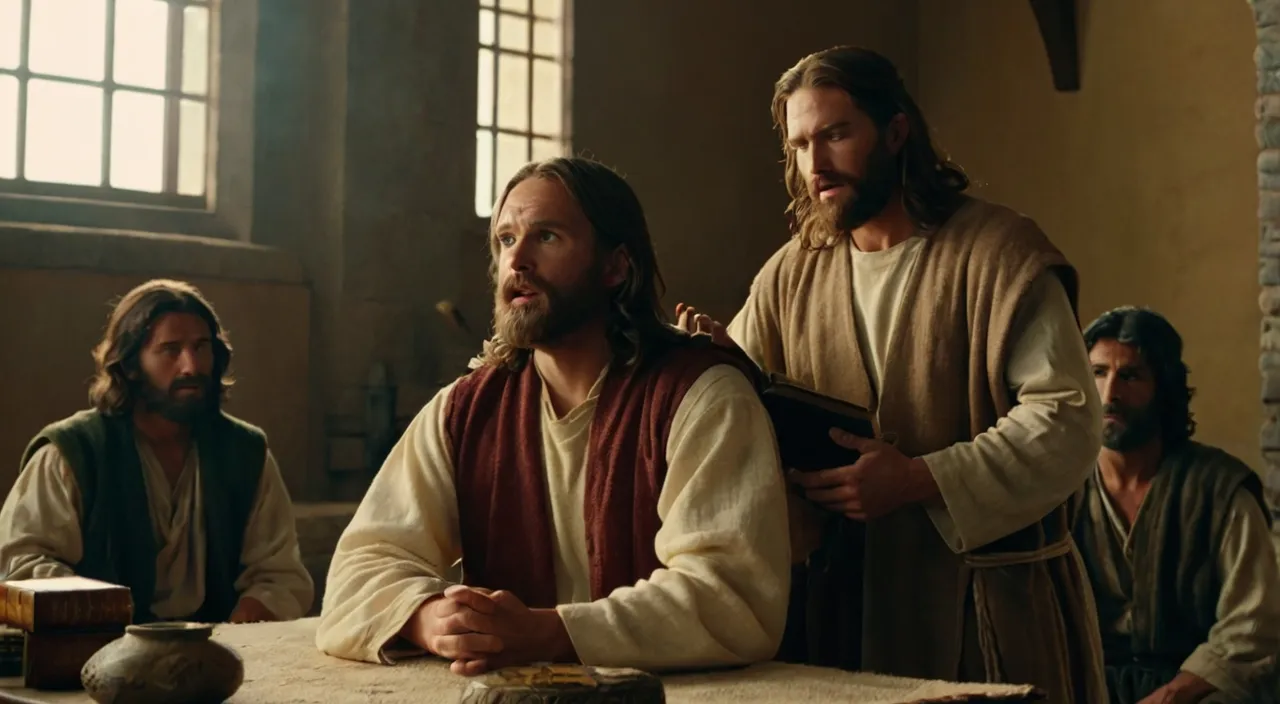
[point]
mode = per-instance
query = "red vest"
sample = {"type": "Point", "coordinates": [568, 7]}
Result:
{"type": "Point", "coordinates": [494, 427]}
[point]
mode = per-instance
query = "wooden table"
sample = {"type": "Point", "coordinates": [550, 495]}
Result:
{"type": "Point", "coordinates": [283, 666]}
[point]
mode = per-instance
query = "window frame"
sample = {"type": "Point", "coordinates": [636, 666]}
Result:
{"type": "Point", "coordinates": [225, 211]}
{"type": "Point", "coordinates": [565, 62]}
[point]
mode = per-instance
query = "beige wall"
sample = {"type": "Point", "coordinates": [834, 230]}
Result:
{"type": "Point", "coordinates": [1145, 177]}
{"type": "Point", "coordinates": [676, 95]}
{"type": "Point", "coordinates": [51, 319]}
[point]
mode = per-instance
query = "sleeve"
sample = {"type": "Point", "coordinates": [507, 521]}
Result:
{"type": "Point", "coordinates": [757, 327]}
{"type": "Point", "coordinates": [721, 596]}
{"type": "Point", "coordinates": [1038, 455]}
{"type": "Point", "coordinates": [1239, 657]}
{"type": "Point", "coordinates": [401, 547]}
{"type": "Point", "coordinates": [40, 520]}
{"type": "Point", "coordinates": [274, 573]}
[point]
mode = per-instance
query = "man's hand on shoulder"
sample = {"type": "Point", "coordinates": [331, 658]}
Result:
{"type": "Point", "coordinates": [250, 610]}
{"type": "Point", "coordinates": [691, 321]}
{"type": "Point", "coordinates": [481, 631]}
{"type": "Point", "coordinates": [880, 482]}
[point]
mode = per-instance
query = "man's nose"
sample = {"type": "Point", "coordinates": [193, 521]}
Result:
{"type": "Point", "coordinates": [520, 255]}
{"type": "Point", "coordinates": [187, 363]}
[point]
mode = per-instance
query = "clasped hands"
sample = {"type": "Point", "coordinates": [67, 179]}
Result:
{"type": "Point", "coordinates": [482, 630]}
{"type": "Point", "coordinates": [881, 481]}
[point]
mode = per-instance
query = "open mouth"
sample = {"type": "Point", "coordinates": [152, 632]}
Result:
{"type": "Point", "coordinates": [828, 189]}
{"type": "Point", "coordinates": [521, 296]}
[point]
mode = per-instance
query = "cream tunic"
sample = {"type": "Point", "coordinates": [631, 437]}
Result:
{"type": "Point", "coordinates": [40, 534]}
{"type": "Point", "coordinates": [720, 598]}
{"type": "Point", "coordinates": [1247, 631]}
{"type": "Point", "coordinates": [1040, 453]}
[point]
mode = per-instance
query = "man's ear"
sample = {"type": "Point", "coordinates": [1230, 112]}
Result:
{"type": "Point", "coordinates": [897, 132]}
{"type": "Point", "coordinates": [617, 267]}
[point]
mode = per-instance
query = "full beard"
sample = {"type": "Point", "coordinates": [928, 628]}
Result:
{"type": "Point", "coordinates": [183, 410]}
{"type": "Point", "coordinates": [868, 197]}
{"type": "Point", "coordinates": [548, 317]}
{"type": "Point", "coordinates": [1138, 427]}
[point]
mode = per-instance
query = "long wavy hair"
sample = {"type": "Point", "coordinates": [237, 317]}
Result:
{"type": "Point", "coordinates": [636, 321]}
{"type": "Point", "coordinates": [118, 377]}
{"type": "Point", "coordinates": [1161, 348]}
{"type": "Point", "coordinates": [931, 183]}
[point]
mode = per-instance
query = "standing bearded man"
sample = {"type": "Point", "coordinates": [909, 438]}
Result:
{"type": "Point", "coordinates": [954, 320]}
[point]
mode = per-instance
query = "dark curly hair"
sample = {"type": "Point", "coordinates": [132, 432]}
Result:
{"type": "Point", "coordinates": [1161, 348]}
{"type": "Point", "coordinates": [114, 389]}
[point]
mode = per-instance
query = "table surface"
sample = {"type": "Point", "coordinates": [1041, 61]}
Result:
{"type": "Point", "coordinates": [283, 666]}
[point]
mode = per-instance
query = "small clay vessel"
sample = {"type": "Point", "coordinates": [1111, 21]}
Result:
{"type": "Point", "coordinates": [163, 663]}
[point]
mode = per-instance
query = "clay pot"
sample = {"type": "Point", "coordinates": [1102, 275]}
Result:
{"type": "Point", "coordinates": [163, 663]}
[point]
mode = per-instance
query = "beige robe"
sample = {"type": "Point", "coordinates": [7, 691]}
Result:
{"type": "Point", "coordinates": [834, 321]}
{"type": "Point", "coordinates": [1245, 640]}
{"type": "Point", "coordinates": [720, 598]}
{"type": "Point", "coordinates": [40, 534]}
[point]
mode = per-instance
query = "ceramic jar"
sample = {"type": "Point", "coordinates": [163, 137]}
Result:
{"type": "Point", "coordinates": [163, 663]}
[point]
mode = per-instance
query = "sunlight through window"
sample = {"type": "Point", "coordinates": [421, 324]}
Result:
{"type": "Point", "coordinates": [520, 91]}
{"type": "Point", "coordinates": [111, 94]}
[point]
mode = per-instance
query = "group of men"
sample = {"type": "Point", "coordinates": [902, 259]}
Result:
{"type": "Point", "coordinates": [605, 487]}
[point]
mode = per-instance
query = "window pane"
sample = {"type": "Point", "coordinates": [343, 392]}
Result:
{"type": "Point", "coordinates": [546, 149]}
{"type": "Point", "coordinates": [513, 152]}
{"type": "Point", "coordinates": [195, 50]}
{"type": "Point", "coordinates": [142, 35]}
{"type": "Point", "coordinates": [515, 5]}
{"type": "Point", "coordinates": [486, 3]}
{"type": "Point", "coordinates": [10, 33]}
{"type": "Point", "coordinates": [547, 107]}
{"type": "Point", "coordinates": [68, 38]}
{"type": "Point", "coordinates": [192, 152]}
{"type": "Point", "coordinates": [513, 33]}
{"type": "Point", "coordinates": [547, 39]}
{"type": "Point", "coordinates": [551, 9]}
{"type": "Point", "coordinates": [513, 92]}
{"type": "Point", "coordinates": [487, 27]}
{"type": "Point", "coordinates": [137, 141]}
{"type": "Point", "coordinates": [64, 133]}
{"type": "Point", "coordinates": [8, 127]}
{"type": "Point", "coordinates": [484, 89]}
{"type": "Point", "coordinates": [484, 173]}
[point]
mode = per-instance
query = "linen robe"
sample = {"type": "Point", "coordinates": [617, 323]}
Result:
{"type": "Point", "coordinates": [984, 583]}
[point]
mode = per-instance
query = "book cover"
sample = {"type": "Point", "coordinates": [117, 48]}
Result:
{"type": "Point", "coordinates": [64, 602]}
{"type": "Point", "coordinates": [803, 419]}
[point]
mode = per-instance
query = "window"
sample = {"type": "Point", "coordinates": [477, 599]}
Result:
{"type": "Point", "coordinates": [110, 103]}
{"type": "Point", "coordinates": [521, 90]}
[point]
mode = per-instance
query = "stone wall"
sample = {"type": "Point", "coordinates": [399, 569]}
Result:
{"type": "Point", "coordinates": [1267, 15]}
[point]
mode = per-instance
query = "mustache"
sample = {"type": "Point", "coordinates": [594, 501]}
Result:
{"type": "Point", "coordinates": [191, 382]}
{"type": "Point", "coordinates": [1116, 409]}
{"type": "Point", "coordinates": [832, 178]}
{"type": "Point", "coordinates": [518, 283]}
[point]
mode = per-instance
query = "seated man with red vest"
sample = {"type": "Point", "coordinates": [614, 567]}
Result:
{"type": "Point", "coordinates": [600, 488]}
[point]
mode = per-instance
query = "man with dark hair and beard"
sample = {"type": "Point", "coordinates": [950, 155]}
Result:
{"type": "Point", "coordinates": [1175, 534]}
{"type": "Point", "coordinates": [608, 485]}
{"type": "Point", "coordinates": [954, 321]}
{"type": "Point", "coordinates": [155, 487]}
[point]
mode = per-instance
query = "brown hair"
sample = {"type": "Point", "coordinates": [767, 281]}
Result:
{"type": "Point", "coordinates": [931, 184]}
{"type": "Point", "coordinates": [637, 320]}
{"type": "Point", "coordinates": [114, 387]}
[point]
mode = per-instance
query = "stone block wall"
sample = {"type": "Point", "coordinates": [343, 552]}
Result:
{"type": "Point", "coordinates": [1267, 56]}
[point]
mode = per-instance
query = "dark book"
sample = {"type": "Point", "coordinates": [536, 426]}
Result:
{"type": "Point", "coordinates": [803, 419]}
{"type": "Point", "coordinates": [52, 660]}
{"type": "Point", "coordinates": [830, 580]}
